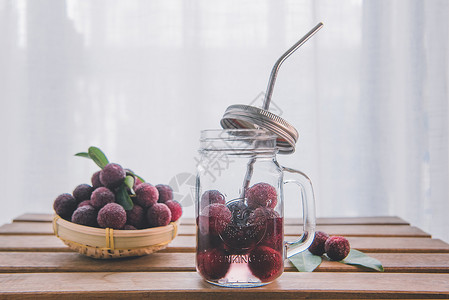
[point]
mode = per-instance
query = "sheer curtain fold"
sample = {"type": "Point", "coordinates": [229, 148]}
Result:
{"type": "Point", "coordinates": [140, 79]}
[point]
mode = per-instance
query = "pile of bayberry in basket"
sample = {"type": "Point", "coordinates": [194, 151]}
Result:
{"type": "Point", "coordinates": [117, 199]}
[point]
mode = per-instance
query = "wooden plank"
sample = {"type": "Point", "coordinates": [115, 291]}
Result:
{"type": "Point", "coordinates": [45, 228]}
{"type": "Point", "coordinates": [187, 243]}
{"type": "Point", "coordinates": [189, 285]}
{"type": "Point", "coordinates": [29, 217]}
{"type": "Point", "coordinates": [32, 262]}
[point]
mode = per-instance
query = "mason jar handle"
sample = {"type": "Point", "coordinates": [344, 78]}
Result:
{"type": "Point", "coordinates": [308, 206]}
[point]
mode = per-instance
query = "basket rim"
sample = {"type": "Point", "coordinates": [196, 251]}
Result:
{"type": "Point", "coordinates": [57, 220]}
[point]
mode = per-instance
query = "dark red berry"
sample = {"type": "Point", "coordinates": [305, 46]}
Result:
{"type": "Point", "coordinates": [137, 181]}
{"type": "Point", "coordinates": [158, 215]}
{"type": "Point", "coordinates": [102, 196]}
{"type": "Point", "coordinates": [175, 208]}
{"type": "Point", "coordinates": [212, 263]}
{"type": "Point", "coordinates": [82, 192]}
{"type": "Point", "coordinates": [317, 247]}
{"type": "Point", "coordinates": [165, 192]}
{"type": "Point", "coordinates": [210, 197]}
{"type": "Point", "coordinates": [112, 215]}
{"type": "Point", "coordinates": [64, 205]}
{"type": "Point", "coordinates": [136, 216]}
{"type": "Point", "coordinates": [261, 194]}
{"type": "Point", "coordinates": [146, 194]}
{"type": "Point", "coordinates": [112, 175]}
{"type": "Point", "coordinates": [214, 218]}
{"type": "Point", "coordinates": [265, 263]}
{"type": "Point", "coordinates": [337, 247]}
{"type": "Point", "coordinates": [85, 202]}
{"type": "Point", "coordinates": [96, 183]}
{"type": "Point", "coordinates": [85, 215]}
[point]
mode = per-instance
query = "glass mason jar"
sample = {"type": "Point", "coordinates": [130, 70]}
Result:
{"type": "Point", "coordinates": [240, 208]}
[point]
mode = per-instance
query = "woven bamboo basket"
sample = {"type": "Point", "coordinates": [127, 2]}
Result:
{"type": "Point", "coordinates": [109, 243]}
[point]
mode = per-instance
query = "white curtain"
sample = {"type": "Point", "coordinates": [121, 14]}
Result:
{"type": "Point", "coordinates": [140, 79]}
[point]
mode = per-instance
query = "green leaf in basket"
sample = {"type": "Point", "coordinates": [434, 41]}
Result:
{"type": "Point", "coordinates": [358, 258]}
{"type": "Point", "coordinates": [98, 156]}
{"type": "Point", "coordinates": [129, 182]}
{"type": "Point", "coordinates": [122, 197]}
{"type": "Point", "coordinates": [83, 154]}
{"type": "Point", "coordinates": [305, 261]}
{"type": "Point", "coordinates": [129, 172]}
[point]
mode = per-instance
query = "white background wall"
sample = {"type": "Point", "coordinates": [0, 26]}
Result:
{"type": "Point", "coordinates": [140, 79]}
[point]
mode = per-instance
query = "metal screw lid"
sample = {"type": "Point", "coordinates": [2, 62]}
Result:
{"type": "Point", "coordinates": [250, 117]}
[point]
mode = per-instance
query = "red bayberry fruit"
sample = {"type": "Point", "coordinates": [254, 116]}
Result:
{"type": "Point", "coordinates": [146, 194]}
{"type": "Point", "coordinates": [214, 218]}
{"type": "Point", "coordinates": [112, 175]}
{"type": "Point", "coordinates": [317, 247]}
{"type": "Point", "coordinates": [261, 194]}
{"type": "Point", "coordinates": [136, 216]}
{"type": "Point", "coordinates": [82, 192]}
{"type": "Point", "coordinates": [85, 202]}
{"type": "Point", "coordinates": [102, 196]}
{"type": "Point", "coordinates": [210, 197]}
{"type": "Point", "coordinates": [96, 183]}
{"type": "Point", "coordinates": [274, 233]}
{"type": "Point", "coordinates": [85, 215]}
{"type": "Point", "coordinates": [112, 215]}
{"type": "Point", "coordinates": [165, 192]}
{"type": "Point", "coordinates": [337, 247]}
{"type": "Point", "coordinates": [175, 208]}
{"type": "Point", "coordinates": [212, 263]}
{"type": "Point", "coordinates": [137, 181]}
{"type": "Point", "coordinates": [158, 215]}
{"type": "Point", "coordinates": [265, 263]}
{"type": "Point", "coordinates": [64, 205]}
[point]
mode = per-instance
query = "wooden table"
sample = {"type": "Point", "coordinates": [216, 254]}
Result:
{"type": "Point", "coordinates": [36, 264]}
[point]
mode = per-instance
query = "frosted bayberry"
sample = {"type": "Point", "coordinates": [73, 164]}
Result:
{"type": "Point", "coordinates": [337, 247]}
{"type": "Point", "coordinates": [317, 247]}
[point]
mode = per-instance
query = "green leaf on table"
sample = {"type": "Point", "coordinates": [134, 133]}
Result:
{"type": "Point", "coordinates": [122, 197]}
{"type": "Point", "coordinates": [98, 157]}
{"type": "Point", "coordinates": [83, 154]}
{"type": "Point", "coordinates": [129, 182]}
{"type": "Point", "coordinates": [358, 258]}
{"type": "Point", "coordinates": [305, 261]}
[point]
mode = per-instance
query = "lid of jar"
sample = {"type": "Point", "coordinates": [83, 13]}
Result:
{"type": "Point", "coordinates": [250, 117]}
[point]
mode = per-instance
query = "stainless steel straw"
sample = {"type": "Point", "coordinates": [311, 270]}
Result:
{"type": "Point", "coordinates": [249, 117]}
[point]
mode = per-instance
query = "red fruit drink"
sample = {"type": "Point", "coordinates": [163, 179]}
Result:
{"type": "Point", "coordinates": [243, 250]}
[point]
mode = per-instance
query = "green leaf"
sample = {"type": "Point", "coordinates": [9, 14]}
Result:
{"type": "Point", "coordinates": [305, 261]}
{"type": "Point", "coordinates": [358, 258]}
{"type": "Point", "coordinates": [83, 154]}
{"type": "Point", "coordinates": [134, 174]}
{"type": "Point", "coordinates": [122, 198]}
{"type": "Point", "coordinates": [129, 182]}
{"type": "Point", "coordinates": [98, 157]}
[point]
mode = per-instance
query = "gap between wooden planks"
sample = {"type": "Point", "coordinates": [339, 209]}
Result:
{"type": "Point", "coordinates": [35, 262]}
